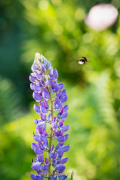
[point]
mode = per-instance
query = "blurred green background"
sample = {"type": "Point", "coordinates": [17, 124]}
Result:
{"type": "Point", "coordinates": [56, 29]}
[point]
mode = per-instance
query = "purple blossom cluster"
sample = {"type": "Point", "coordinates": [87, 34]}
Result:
{"type": "Point", "coordinates": [51, 97]}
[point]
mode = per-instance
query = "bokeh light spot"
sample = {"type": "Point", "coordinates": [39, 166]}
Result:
{"type": "Point", "coordinates": [58, 29]}
{"type": "Point", "coordinates": [43, 5]}
{"type": "Point", "coordinates": [56, 2]}
{"type": "Point", "coordinates": [87, 38]}
{"type": "Point", "coordinates": [117, 68]}
{"type": "Point", "coordinates": [50, 54]}
{"type": "Point", "coordinates": [70, 26]}
{"type": "Point", "coordinates": [79, 14]}
{"type": "Point", "coordinates": [112, 49]}
{"type": "Point", "coordinates": [60, 12]}
{"type": "Point", "coordinates": [72, 43]}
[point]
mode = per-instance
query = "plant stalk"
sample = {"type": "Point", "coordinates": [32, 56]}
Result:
{"type": "Point", "coordinates": [50, 141]}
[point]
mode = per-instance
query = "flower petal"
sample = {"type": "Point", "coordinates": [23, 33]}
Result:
{"type": "Point", "coordinates": [60, 168]}
{"type": "Point", "coordinates": [37, 109]}
{"type": "Point", "coordinates": [64, 160]}
{"type": "Point", "coordinates": [36, 166]}
{"type": "Point", "coordinates": [37, 96]}
{"type": "Point", "coordinates": [34, 145]}
{"type": "Point", "coordinates": [40, 158]}
{"type": "Point", "coordinates": [65, 148]}
{"type": "Point", "coordinates": [45, 93]}
{"type": "Point", "coordinates": [33, 176]}
{"type": "Point", "coordinates": [52, 155]}
{"type": "Point", "coordinates": [64, 98]}
{"type": "Point", "coordinates": [60, 86]}
{"type": "Point", "coordinates": [64, 128]}
{"type": "Point", "coordinates": [38, 151]}
{"type": "Point", "coordinates": [54, 125]}
{"type": "Point", "coordinates": [62, 176]}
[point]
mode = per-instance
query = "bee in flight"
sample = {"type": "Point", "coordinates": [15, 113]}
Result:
{"type": "Point", "coordinates": [83, 60]}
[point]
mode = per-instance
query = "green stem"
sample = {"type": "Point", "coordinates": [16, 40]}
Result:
{"type": "Point", "coordinates": [50, 141]}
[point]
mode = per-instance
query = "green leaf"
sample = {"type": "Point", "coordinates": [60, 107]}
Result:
{"type": "Point", "coordinates": [10, 102]}
{"type": "Point", "coordinates": [72, 176]}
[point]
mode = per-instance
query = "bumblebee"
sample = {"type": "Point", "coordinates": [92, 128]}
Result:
{"type": "Point", "coordinates": [83, 60]}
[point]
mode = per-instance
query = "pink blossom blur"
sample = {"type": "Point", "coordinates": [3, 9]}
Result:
{"type": "Point", "coordinates": [101, 16]}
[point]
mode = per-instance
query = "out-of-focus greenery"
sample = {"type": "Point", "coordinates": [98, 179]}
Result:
{"type": "Point", "coordinates": [56, 29]}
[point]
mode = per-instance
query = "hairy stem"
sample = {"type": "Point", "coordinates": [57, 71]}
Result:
{"type": "Point", "coordinates": [51, 132]}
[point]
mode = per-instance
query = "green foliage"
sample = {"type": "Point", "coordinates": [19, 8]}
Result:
{"type": "Point", "coordinates": [10, 107]}
{"type": "Point", "coordinates": [57, 30]}
{"type": "Point", "coordinates": [72, 176]}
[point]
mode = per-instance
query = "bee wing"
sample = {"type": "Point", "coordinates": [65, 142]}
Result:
{"type": "Point", "coordinates": [80, 62]}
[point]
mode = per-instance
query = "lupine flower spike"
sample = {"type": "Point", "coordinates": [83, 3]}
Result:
{"type": "Point", "coordinates": [50, 97]}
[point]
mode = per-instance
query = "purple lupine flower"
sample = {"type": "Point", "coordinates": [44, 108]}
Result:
{"type": "Point", "coordinates": [64, 160]}
{"type": "Point", "coordinates": [54, 86]}
{"type": "Point", "coordinates": [34, 145]}
{"type": "Point", "coordinates": [60, 86]}
{"type": "Point", "coordinates": [37, 96]}
{"type": "Point", "coordinates": [60, 154]}
{"type": "Point", "coordinates": [52, 155]}
{"type": "Point", "coordinates": [44, 106]}
{"type": "Point", "coordinates": [40, 158]}
{"type": "Point", "coordinates": [37, 109]}
{"type": "Point", "coordinates": [36, 177]}
{"type": "Point", "coordinates": [41, 125]}
{"type": "Point", "coordinates": [54, 178]}
{"type": "Point", "coordinates": [38, 151]}
{"type": "Point", "coordinates": [63, 138]}
{"type": "Point", "coordinates": [36, 137]}
{"type": "Point", "coordinates": [46, 161]}
{"type": "Point", "coordinates": [47, 90]}
{"type": "Point", "coordinates": [62, 176]}
{"type": "Point", "coordinates": [45, 93]}
{"type": "Point", "coordinates": [36, 166]}
{"type": "Point", "coordinates": [64, 128]}
{"type": "Point", "coordinates": [60, 168]}
{"type": "Point", "coordinates": [65, 148]}
{"type": "Point", "coordinates": [45, 168]}
{"type": "Point", "coordinates": [43, 117]}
